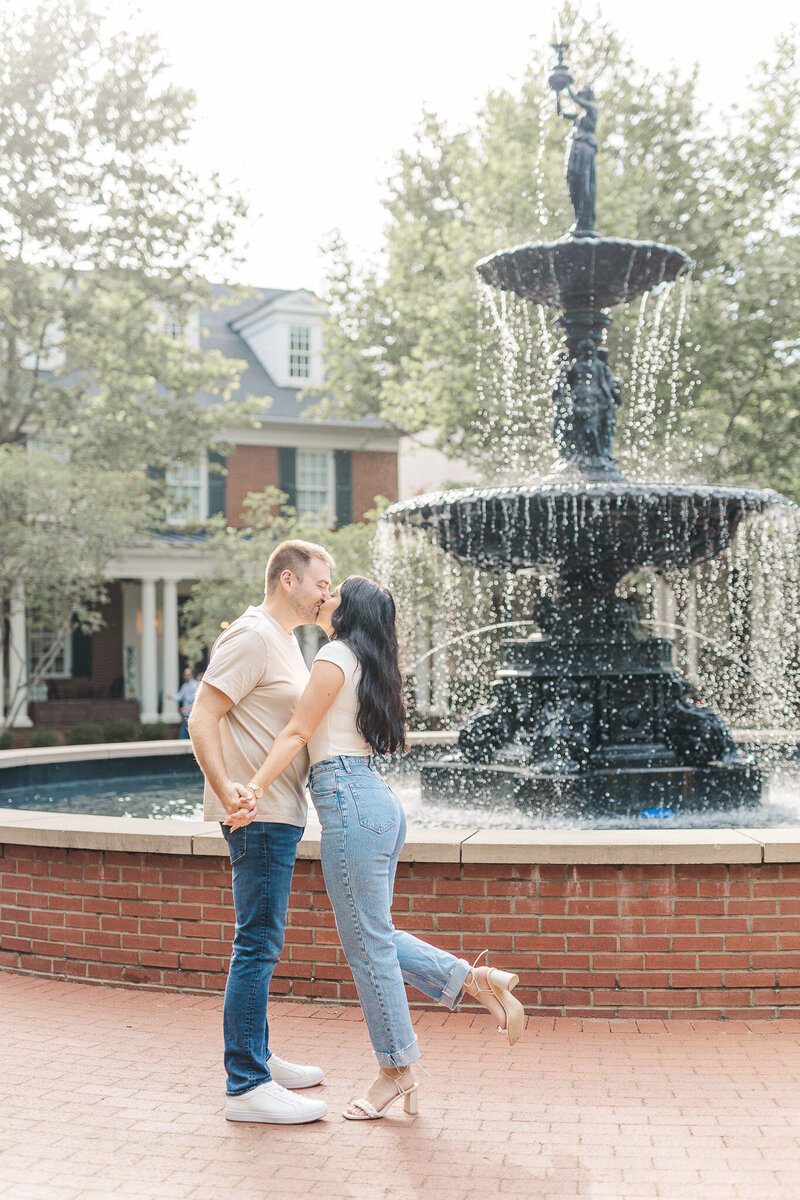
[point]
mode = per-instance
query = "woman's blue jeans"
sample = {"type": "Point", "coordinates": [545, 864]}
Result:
{"type": "Point", "coordinates": [363, 831]}
{"type": "Point", "coordinates": [262, 862]}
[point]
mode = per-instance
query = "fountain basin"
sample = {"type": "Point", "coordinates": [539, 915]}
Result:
{"type": "Point", "coordinates": [576, 272]}
{"type": "Point", "coordinates": [576, 912]}
{"type": "Point", "coordinates": [627, 791]}
{"type": "Point", "coordinates": [598, 530]}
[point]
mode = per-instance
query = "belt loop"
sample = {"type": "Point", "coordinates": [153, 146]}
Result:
{"type": "Point", "coordinates": [343, 761]}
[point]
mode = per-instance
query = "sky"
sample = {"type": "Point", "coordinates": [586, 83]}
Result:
{"type": "Point", "coordinates": [304, 103]}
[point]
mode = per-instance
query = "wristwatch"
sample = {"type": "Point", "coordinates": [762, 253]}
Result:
{"type": "Point", "coordinates": [256, 789]}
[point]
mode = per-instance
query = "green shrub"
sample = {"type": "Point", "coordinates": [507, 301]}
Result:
{"type": "Point", "coordinates": [121, 730]}
{"type": "Point", "coordinates": [155, 731]}
{"type": "Point", "coordinates": [43, 737]}
{"type": "Point", "coordinates": [85, 732]}
{"type": "Point", "coordinates": [8, 739]}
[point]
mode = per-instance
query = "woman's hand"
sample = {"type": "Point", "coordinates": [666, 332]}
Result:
{"type": "Point", "coordinates": [240, 804]}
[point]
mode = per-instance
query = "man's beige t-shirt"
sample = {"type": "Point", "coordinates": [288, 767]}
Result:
{"type": "Point", "coordinates": [259, 666]}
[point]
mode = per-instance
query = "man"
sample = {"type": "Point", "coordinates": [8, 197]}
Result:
{"type": "Point", "coordinates": [249, 691]}
{"type": "Point", "coordinates": [185, 697]}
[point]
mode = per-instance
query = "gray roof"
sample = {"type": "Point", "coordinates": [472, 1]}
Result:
{"type": "Point", "coordinates": [216, 333]}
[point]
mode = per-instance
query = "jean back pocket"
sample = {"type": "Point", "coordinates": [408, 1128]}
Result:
{"type": "Point", "coordinates": [375, 805]}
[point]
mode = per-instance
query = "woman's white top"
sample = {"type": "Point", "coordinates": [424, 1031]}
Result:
{"type": "Point", "coordinates": [336, 732]}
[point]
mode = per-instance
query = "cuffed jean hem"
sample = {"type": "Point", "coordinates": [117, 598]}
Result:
{"type": "Point", "coordinates": [401, 1058]}
{"type": "Point", "coordinates": [453, 992]}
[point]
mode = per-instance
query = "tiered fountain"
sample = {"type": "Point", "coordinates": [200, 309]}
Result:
{"type": "Point", "coordinates": [588, 711]}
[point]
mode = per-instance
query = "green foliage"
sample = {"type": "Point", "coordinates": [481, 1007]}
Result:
{"type": "Point", "coordinates": [42, 738]}
{"type": "Point", "coordinates": [407, 340]}
{"type": "Point", "coordinates": [8, 739]}
{"type": "Point", "coordinates": [154, 731]}
{"type": "Point", "coordinates": [59, 524]}
{"type": "Point", "coordinates": [121, 730]}
{"type": "Point", "coordinates": [238, 558]}
{"type": "Point", "coordinates": [84, 733]}
{"type": "Point", "coordinates": [105, 234]}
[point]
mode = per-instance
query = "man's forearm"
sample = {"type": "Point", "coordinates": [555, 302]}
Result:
{"type": "Point", "coordinates": [207, 746]}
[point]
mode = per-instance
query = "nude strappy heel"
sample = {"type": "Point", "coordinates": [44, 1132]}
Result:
{"type": "Point", "coordinates": [370, 1113]}
{"type": "Point", "coordinates": [501, 984]}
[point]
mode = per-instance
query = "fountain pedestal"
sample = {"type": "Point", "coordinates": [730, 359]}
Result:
{"type": "Point", "coordinates": [590, 716]}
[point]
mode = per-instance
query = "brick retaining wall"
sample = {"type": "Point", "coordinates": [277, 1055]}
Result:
{"type": "Point", "coordinates": [660, 940]}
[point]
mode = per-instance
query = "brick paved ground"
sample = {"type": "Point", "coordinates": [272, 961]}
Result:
{"type": "Point", "coordinates": [117, 1092]}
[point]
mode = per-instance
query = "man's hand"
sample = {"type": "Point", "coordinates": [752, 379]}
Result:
{"type": "Point", "coordinates": [240, 804]}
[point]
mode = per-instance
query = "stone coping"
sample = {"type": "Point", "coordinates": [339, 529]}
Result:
{"type": "Point", "coordinates": [175, 836]}
{"type": "Point", "coordinates": [164, 746]}
{"type": "Point", "coordinates": [30, 827]}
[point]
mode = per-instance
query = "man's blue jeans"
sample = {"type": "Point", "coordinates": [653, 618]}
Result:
{"type": "Point", "coordinates": [262, 862]}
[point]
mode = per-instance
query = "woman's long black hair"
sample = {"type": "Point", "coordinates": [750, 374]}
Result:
{"type": "Point", "coordinates": [365, 620]}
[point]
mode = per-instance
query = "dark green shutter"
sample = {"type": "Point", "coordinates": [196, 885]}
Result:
{"type": "Point", "coordinates": [157, 492]}
{"type": "Point", "coordinates": [81, 655]}
{"type": "Point", "coordinates": [217, 486]}
{"type": "Point", "coordinates": [343, 469]}
{"type": "Point", "coordinates": [287, 473]}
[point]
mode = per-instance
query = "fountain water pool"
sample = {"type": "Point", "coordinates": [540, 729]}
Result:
{"type": "Point", "coordinates": [152, 795]}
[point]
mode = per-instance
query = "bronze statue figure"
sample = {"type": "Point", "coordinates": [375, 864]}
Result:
{"type": "Point", "coordinates": [581, 161]}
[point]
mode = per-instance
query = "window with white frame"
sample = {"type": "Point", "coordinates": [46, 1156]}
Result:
{"type": "Point", "coordinates": [187, 493]}
{"type": "Point", "coordinates": [173, 328]}
{"type": "Point", "coordinates": [300, 352]}
{"type": "Point", "coordinates": [41, 643]}
{"type": "Point", "coordinates": [55, 447]}
{"type": "Point", "coordinates": [315, 485]}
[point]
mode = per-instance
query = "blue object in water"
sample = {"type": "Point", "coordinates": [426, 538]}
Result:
{"type": "Point", "coordinates": [657, 814]}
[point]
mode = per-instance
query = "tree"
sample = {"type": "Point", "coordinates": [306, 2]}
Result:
{"type": "Point", "coordinates": [412, 338]}
{"type": "Point", "coordinates": [57, 522]}
{"type": "Point", "coordinates": [107, 241]}
{"type": "Point", "coordinates": [104, 235]}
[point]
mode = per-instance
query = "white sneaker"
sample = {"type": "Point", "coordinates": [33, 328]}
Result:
{"type": "Point", "coordinates": [274, 1105]}
{"type": "Point", "coordinates": [291, 1075]}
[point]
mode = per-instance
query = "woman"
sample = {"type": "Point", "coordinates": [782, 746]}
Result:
{"type": "Point", "coordinates": [352, 709]}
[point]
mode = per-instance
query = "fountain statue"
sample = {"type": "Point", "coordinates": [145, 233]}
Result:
{"type": "Point", "coordinates": [589, 711]}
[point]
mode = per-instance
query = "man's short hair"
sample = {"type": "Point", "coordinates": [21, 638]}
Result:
{"type": "Point", "coordinates": [293, 556]}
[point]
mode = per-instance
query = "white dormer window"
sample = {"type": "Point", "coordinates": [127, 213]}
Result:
{"type": "Point", "coordinates": [286, 336]}
{"type": "Point", "coordinates": [187, 488]}
{"type": "Point", "coordinates": [300, 352]}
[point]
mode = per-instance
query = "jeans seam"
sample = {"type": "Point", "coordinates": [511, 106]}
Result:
{"type": "Point", "coordinates": [360, 931]}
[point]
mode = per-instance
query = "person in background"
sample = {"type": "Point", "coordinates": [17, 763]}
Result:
{"type": "Point", "coordinates": [185, 698]}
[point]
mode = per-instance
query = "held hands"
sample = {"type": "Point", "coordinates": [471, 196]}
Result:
{"type": "Point", "coordinates": [240, 804]}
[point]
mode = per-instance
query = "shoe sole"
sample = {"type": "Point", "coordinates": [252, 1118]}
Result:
{"type": "Point", "coordinates": [298, 1087]}
{"type": "Point", "coordinates": [265, 1120]}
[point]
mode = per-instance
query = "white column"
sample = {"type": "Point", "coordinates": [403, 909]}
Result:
{"type": "Point", "coordinates": [665, 610]}
{"type": "Point", "coordinates": [18, 660]}
{"type": "Point", "coordinates": [692, 643]}
{"type": "Point", "coordinates": [169, 650]}
{"type": "Point", "coordinates": [149, 710]}
{"type": "Point", "coordinates": [2, 665]}
{"type": "Point", "coordinates": [422, 673]}
{"type": "Point", "coordinates": [440, 681]}
{"type": "Point", "coordinates": [131, 637]}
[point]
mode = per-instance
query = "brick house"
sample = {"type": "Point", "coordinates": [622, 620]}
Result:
{"type": "Point", "coordinates": [338, 466]}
